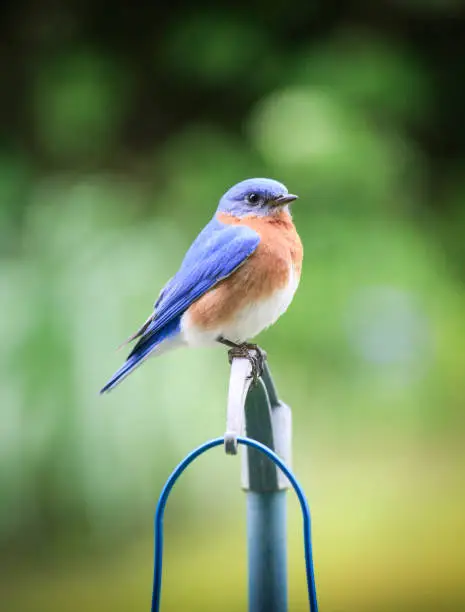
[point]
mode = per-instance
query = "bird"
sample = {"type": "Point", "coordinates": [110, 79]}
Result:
{"type": "Point", "coordinates": [237, 278]}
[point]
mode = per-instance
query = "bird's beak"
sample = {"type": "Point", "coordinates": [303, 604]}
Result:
{"type": "Point", "coordinates": [285, 199]}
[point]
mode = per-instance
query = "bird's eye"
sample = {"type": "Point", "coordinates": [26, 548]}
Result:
{"type": "Point", "coordinates": [253, 198]}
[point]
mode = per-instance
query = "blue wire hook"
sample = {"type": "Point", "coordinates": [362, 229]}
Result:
{"type": "Point", "coordinates": [159, 514]}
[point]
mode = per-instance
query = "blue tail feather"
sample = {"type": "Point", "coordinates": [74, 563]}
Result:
{"type": "Point", "coordinates": [141, 351]}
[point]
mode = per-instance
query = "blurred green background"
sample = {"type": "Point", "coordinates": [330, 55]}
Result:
{"type": "Point", "coordinates": [120, 128]}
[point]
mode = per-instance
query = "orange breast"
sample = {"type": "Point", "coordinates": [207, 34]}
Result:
{"type": "Point", "coordinates": [265, 271]}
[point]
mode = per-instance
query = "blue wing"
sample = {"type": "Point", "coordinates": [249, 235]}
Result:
{"type": "Point", "coordinates": [217, 251]}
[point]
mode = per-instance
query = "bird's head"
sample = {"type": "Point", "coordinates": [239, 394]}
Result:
{"type": "Point", "coordinates": [259, 197]}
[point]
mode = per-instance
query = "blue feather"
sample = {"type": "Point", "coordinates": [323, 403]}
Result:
{"type": "Point", "coordinates": [218, 250]}
{"type": "Point", "coordinates": [136, 357]}
{"type": "Point", "coordinates": [216, 253]}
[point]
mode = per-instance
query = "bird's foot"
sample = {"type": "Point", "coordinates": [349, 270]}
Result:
{"type": "Point", "coordinates": [254, 354]}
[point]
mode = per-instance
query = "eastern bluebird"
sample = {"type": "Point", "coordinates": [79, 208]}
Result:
{"type": "Point", "coordinates": [238, 277]}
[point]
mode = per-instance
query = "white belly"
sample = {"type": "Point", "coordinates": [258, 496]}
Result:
{"type": "Point", "coordinates": [249, 321]}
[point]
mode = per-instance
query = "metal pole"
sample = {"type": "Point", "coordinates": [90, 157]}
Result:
{"type": "Point", "coordinates": [266, 544]}
{"type": "Point", "coordinates": [268, 421]}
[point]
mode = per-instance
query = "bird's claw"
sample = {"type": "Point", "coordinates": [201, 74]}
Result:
{"type": "Point", "coordinates": [254, 354]}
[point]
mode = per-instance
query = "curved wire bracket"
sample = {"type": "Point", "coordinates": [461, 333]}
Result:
{"type": "Point", "coordinates": [159, 514]}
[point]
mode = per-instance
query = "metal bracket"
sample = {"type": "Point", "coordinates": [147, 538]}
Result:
{"type": "Point", "coordinates": [239, 385]}
{"type": "Point", "coordinates": [258, 411]}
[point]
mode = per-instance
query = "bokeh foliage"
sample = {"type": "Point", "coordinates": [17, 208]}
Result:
{"type": "Point", "coordinates": [119, 130]}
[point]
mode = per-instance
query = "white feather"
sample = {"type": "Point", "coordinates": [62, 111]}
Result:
{"type": "Point", "coordinates": [248, 322]}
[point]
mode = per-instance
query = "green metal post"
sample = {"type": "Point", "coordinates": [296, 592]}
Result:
{"type": "Point", "coordinates": [269, 421]}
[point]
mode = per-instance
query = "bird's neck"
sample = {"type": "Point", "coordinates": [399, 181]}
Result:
{"type": "Point", "coordinates": [281, 218]}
